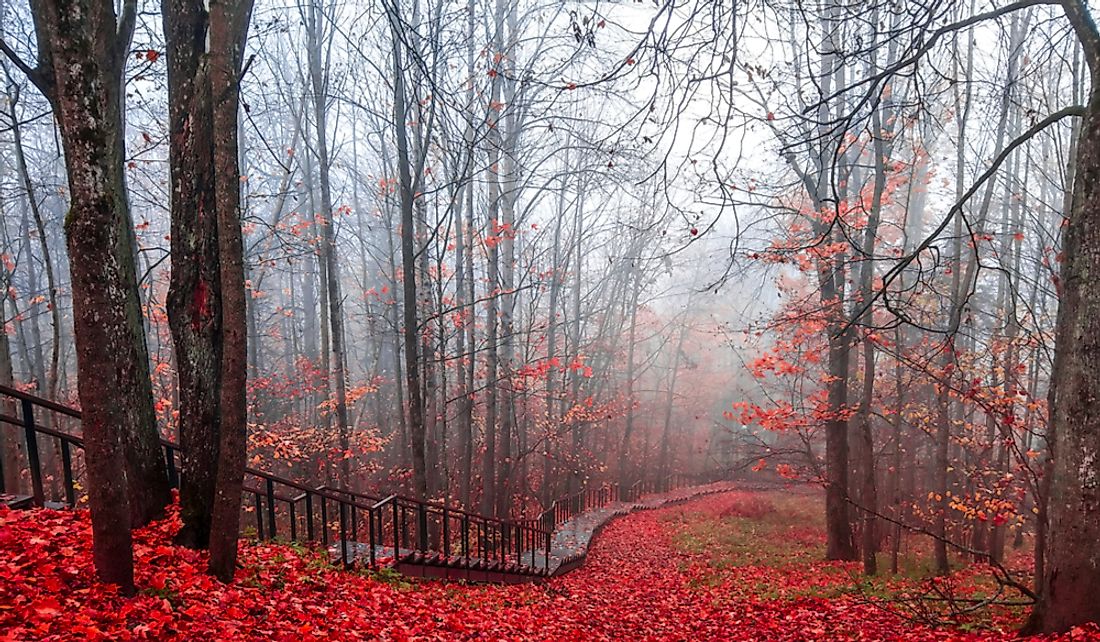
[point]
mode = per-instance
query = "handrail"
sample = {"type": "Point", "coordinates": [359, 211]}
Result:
{"type": "Point", "coordinates": [565, 508]}
{"type": "Point", "coordinates": [420, 531]}
{"type": "Point", "coordinates": [483, 542]}
{"type": "Point", "coordinates": [457, 511]}
{"type": "Point", "coordinates": [78, 440]}
{"type": "Point", "coordinates": [498, 542]}
{"type": "Point", "coordinates": [40, 401]}
{"type": "Point", "coordinates": [350, 493]}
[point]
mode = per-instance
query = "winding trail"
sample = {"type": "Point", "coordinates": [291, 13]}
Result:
{"type": "Point", "coordinates": [638, 584]}
{"type": "Point", "coordinates": [572, 539]}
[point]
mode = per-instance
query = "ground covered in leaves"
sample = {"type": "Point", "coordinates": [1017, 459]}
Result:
{"type": "Point", "coordinates": [735, 566]}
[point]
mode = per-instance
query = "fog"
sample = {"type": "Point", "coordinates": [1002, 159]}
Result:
{"type": "Point", "coordinates": [495, 254]}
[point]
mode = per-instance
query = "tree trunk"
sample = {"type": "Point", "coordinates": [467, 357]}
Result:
{"type": "Point", "coordinates": [665, 463]}
{"type": "Point", "coordinates": [1071, 580]}
{"type": "Point", "coordinates": [328, 239]}
{"type": "Point", "coordinates": [228, 31]}
{"type": "Point", "coordinates": [465, 384]}
{"type": "Point", "coordinates": [552, 375]}
{"type": "Point", "coordinates": [628, 429]}
{"type": "Point", "coordinates": [81, 58]}
{"type": "Point", "coordinates": [417, 433]}
{"type": "Point", "coordinates": [469, 316]}
{"type": "Point", "coordinates": [195, 291]}
{"type": "Point", "coordinates": [832, 282]}
{"type": "Point", "coordinates": [13, 456]}
{"type": "Point", "coordinates": [575, 376]}
{"type": "Point", "coordinates": [50, 390]}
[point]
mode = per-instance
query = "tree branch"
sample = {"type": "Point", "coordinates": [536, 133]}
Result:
{"type": "Point", "coordinates": [125, 33]}
{"type": "Point", "coordinates": [956, 209]}
{"type": "Point", "coordinates": [887, 72]}
{"type": "Point", "coordinates": [31, 73]}
{"type": "Point", "coordinates": [1080, 18]}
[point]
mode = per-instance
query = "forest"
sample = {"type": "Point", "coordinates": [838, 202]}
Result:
{"type": "Point", "coordinates": [549, 319]}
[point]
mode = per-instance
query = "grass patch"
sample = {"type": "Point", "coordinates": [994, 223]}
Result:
{"type": "Point", "coordinates": [771, 546]}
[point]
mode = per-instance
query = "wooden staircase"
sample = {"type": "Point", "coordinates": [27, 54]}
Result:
{"type": "Point", "coordinates": [417, 538]}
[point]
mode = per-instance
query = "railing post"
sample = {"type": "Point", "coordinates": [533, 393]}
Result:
{"type": "Point", "coordinates": [309, 516]}
{"type": "Point", "coordinates": [422, 526]}
{"type": "Point", "coordinates": [324, 521]}
{"type": "Point", "coordinates": [344, 535]}
{"type": "Point", "coordinates": [446, 536]}
{"type": "Point", "coordinates": [32, 453]}
{"type": "Point", "coordinates": [405, 526]}
{"type": "Point", "coordinates": [466, 537]}
{"type": "Point", "coordinates": [170, 464]}
{"type": "Point", "coordinates": [259, 518]}
{"type": "Point", "coordinates": [293, 523]}
{"type": "Point", "coordinates": [370, 520]}
{"type": "Point", "coordinates": [490, 536]}
{"type": "Point", "coordinates": [354, 525]}
{"type": "Point", "coordinates": [271, 507]}
{"type": "Point", "coordinates": [67, 472]}
{"type": "Point", "coordinates": [396, 544]}
{"type": "Point", "coordinates": [505, 540]}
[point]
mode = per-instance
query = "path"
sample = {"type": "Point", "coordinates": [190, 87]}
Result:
{"type": "Point", "coordinates": [640, 582]}
{"type": "Point", "coordinates": [572, 539]}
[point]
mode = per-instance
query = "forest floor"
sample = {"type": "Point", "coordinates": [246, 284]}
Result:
{"type": "Point", "coordinates": [741, 565]}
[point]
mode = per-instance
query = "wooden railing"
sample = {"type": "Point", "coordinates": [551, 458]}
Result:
{"type": "Point", "coordinates": [360, 527]}
{"type": "Point", "coordinates": [596, 497]}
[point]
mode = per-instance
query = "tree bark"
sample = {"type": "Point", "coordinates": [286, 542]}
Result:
{"type": "Point", "coordinates": [13, 456]}
{"type": "Point", "coordinates": [417, 432]}
{"type": "Point", "coordinates": [195, 290]}
{"type": "Point", "coordinates": [228, 31]}
{"type": "Point", "coordinates": [328, 239]}
{"type": "Point", "coordinates": [82, 49]}
{"type": "Point", "coordinates": [1071, 579]}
